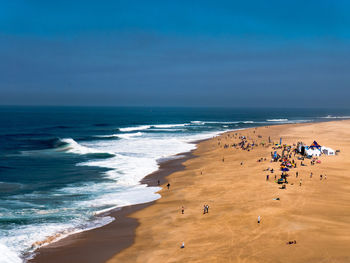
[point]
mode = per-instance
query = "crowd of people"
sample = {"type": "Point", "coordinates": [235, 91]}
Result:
{"type": "Point", "coordinates": [285, 155]}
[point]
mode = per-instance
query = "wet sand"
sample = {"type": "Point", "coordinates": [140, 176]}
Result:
{"type": "Point", "coordinates": [100, 244]}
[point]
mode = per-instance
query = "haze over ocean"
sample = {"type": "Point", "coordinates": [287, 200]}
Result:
{"type": "Point", "coordinates": [175, 53]}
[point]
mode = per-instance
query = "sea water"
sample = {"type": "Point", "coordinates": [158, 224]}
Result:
{"type": "Point", "coordinates": [62, 167]}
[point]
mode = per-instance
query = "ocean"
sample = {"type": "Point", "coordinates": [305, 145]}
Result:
{"type": "Point", "coordinates": [62, 167]}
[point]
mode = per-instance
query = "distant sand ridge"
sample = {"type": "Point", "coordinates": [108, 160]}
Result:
{"type": "Point", "coordinates": [316, 214]}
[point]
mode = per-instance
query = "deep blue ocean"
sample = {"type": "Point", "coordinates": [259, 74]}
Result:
{"type": "Point", "coordinates": [61, 167]}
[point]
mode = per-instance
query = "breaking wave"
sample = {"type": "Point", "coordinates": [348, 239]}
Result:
{"type": "Point", "coordinates": [70, 146]}
{"type": "Point", "coordinates": [136, 128]}
{"type": "Point", "coordinates": [122, 136]}
{"type": "Point", "coordinates": [277, 120]}
{"type": "Point", "coordinates": [335, 117]}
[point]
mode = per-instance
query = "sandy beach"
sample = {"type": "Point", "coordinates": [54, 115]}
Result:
{"type": "Point", "coordinates": [231, 181]}
{"type": "Point", "coordinates": [109, 239]}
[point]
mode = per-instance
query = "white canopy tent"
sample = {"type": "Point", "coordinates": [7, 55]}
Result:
{"type": "Point", "coordinates": [313, 152]}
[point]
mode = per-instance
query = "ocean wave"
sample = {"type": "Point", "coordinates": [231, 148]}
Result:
{"type": "Point", "coordinates": [30, 237]}
{"type": "Point", "coordinates": [168, 125]}
{"type": "Point", "coordinates": [122, 136]}
{"type": "Point", "coordinates": [132, 160]}
{"type": "Point", "coordinates": [70, 146]}
{"type": "Point", "coordinates": [136, 128]}
{"type": "Point", "coordinates": [335, 117]}
{"type": "Point", "coordinates": [277, 120]}
{"type": "Point", "coordinates": [129, 135]}
{"type": "Point", "coordinates": [8, 255]}
{"type": "Point", "coordinates": [165, 130]}
{"type": "Point", "coordinates": [133, 195]}
{"type": "Point", "coordinates": [221, 122]}
{"type": "Point", "coordinates": [197, 122]}
{"type": "Point", "coordinates": [125, 170]}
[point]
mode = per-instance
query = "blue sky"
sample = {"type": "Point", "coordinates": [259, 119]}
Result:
{"type": "Point", "coordinates": [175, 53]}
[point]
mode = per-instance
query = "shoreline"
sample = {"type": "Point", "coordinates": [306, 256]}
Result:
{"type": "Point", "coordinates": [99, 245]}
{"type": "Point", "coordinates": [315, 213]}
{"type": "Point", "coordinates": [82, 244]}
{"type": "Point", "coordinates": [80, 247]}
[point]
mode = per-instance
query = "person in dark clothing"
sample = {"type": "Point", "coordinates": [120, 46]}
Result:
{"type": "Point", "coordinates": [168, 185]}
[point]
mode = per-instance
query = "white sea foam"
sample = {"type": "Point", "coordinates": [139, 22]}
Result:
{"type": "Point", "coordinates": [169, 125]}
{"type": "Point", "coordinates": [130, 135]}
{"type": "Point", "coordinates": [277, 120]}
{"type": "Point", "coordinates": [8, 256]}
{"type": "Point", "coordinates": [135, 155]}
{"type": "Point", "coordinates": [335, 117]}
{"type": "Point", "coordinates": [135, 128]}
{"type": "Point", "coordinates": [130, 196]}
{"type": "Point", "coordinates": [72, 146]}
{"type": "Point", "coordinates": [120, 135]}
{"type": "Point", "coordinates": [197, 122]}
{"type": "Point", "coordinates": [23, 238]}
{"type": "Point", "coordinates": [165, 129]}
{"type": "Point", "coordinates": [221, 122]}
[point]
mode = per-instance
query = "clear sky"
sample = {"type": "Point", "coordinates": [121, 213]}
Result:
{"type": "Point", "coordinates": [175, 53]}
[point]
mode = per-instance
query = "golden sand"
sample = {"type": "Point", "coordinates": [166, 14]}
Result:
{"type": "Point", "coordinates": [316, 214]}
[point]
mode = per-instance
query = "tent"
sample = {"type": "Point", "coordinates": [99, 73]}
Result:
{"type": "Point", "coordinates": [327, 151]}
{"type": "Point", "coordinates": [312, 152]}
{"type": "Point", "coordinates": [315, 145]}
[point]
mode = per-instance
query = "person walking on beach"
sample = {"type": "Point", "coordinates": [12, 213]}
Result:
{"type": "Point", "coordinates": [158, 182]}
{"type": "Point", "coordinates": [320, 176]}
{"type": "Point", "coordinates": [325, 177]}
{"type": "Point", "coordinates": [310, 175]}
{"type": "Point", "coordinates": [267, 177]}
{"type": "Point", "coordinates": [296, 175]}
{"type": "Point", "coordinates": [205, 209]}
{"type": "Point", "coordinates": [301, 180]}
{"type": "Point", "coordinates": [259, 219]}
{"type": "Point", "coordinates": [182, 210]}
{"type": "Point", "coordinates": [168, 185]}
